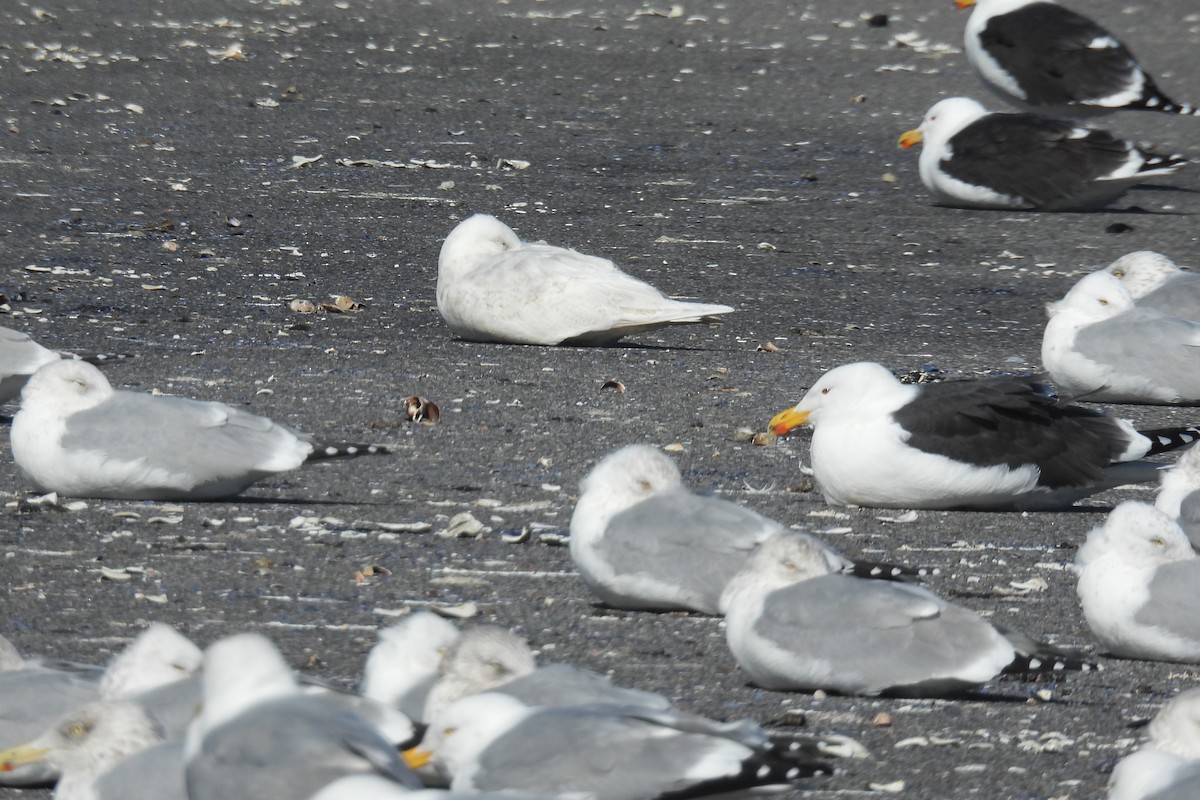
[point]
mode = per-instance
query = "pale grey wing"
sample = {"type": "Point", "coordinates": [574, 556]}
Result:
{"type": "Point", "coordinates": [184, 437]}
{"type": "Point", "coordinates": [153, 774]}
{"type": "Point", "coordinates": [886, 634]}
{"type": "Point", "coordinates": [1189, 518]}
{"type": "Point", "coordinates": [565, 751]}
{"type": "Point", "coordinates": [1141, 342]}
{"type": "Point", "coordinates": [20, 357]}
{"type": "Point", "coordinates": [684, 539]}
{"type": "Point", "coordinates": [31, 699]}
{"type": "Point", "coordinates": [1172, 603]}
{"type": "Point", "coordinates": [289, 748]}
{"type": "Point", "coordinates": [1178, 297]}
{"type": "Point", "coordinates": [566, 685]}
{"type": "Point", "coordinates": [173, 705]}
{"type": "Point", "coordinates": [1185, 786]}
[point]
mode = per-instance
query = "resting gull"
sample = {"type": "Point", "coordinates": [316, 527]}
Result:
{"type": "Point", "coordinates": [21, 356]}
{"type": "Point", "coordinates": [973, 158]}
{"type": "Point", "coordinates": [1100, 346]}
{"type": "Point", "coordinates": [404, 664]}
{"type": "Point", "coordinates": [492, 742]}
{"type": "Point", "coordinates": [88, 749]}
{"type": "Point", "coordinates": [492, 287]}
{"type": "Point", "coordinates": [791, 623]}
{"type": "Point", "coordinates": [1137, 584]}
{"type": "Point", "coordinates": [1157, 282]}
{"type": "Point", "coordinates": [1179, 494]}
{"type": "Point", "coordinates": [1000, 443]}
{"type": "Point", "coordinates": [641, 540]}
{"type": "Point", "coordinates": [1167, 765]}
{"type": "Point", "coordinates": [259, 735]}
{"type": "Point", "coordinates": [1039, 55]}
{"type": "Point", "coordinates": [77, 436]}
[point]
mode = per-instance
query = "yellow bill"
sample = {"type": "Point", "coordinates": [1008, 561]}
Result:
{"type": "Point", "coordinates": [785, 422]}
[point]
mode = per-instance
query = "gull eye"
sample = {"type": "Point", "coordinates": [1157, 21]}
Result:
{"type": "Point", "coordinates": [1158, 541]}
{"type": "Point", "coordinates": [78, 729]}
{"type": "Point", "coordinates": [825, 390]}
{"type": "Point", "coordinates": [645, 485]}
{"type": "Point", "coordinates": [448, 731]}
{"type": "Point", "coordinates": [1119, 273]}
{"type": "Point", "coordinates": [1103, 302]}
{"type": "Point", "coordinates": [790, 566]}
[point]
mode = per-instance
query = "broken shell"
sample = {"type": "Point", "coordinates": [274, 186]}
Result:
{"type": "Point", "coordinates": [461, 526]}
{"type": "Point", "coordinates": [302, 306]}
{"type": "Point", "coordinates": [463, 611]}
{"type": "Point", "coordinates": [762, 439]}
{"type": "Point", "coordinates": [768, 347]}
{"type": "Point", "coordinates": [882, 720]}
{"type": "Point", "coordinates": [345, 303]}
{"type": "Point", "coordinates": [516, 537]}
{"type": "Point", "coordinates": [617, 385]}
{"type": "Point", "coordinates": [419, 409]}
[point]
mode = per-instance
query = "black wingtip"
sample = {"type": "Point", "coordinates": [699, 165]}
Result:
{"type": "Point", "coordinates": [103, 358]}
{"type": "Point", "coordinates": [884, 571]}
{"type": "Point", "coordinates": [1163, 440]}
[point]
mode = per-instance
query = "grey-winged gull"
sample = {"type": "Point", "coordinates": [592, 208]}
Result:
{"type": "Point", "coordinates": [1167, 765]}
{"type": "Point", "coordinates": [1137, 585]}
{"type": "Point", "coordinates": [1100, 346]}
{"type": "Point", "coordinates": [1179, 494]}
{"type": "Point", "coordinates": [87, 748]}
{"type": "Point", "coordinates": [77, 436]}
{"type": "Point", "coordinates": [973, 158]}
{"type": "Point", "coordinates": [792, 624]}
{"type": "Point", "coordinates": [1040, 55]}
{"type": "Point", "coordinates": [1000, 442]}
{"type": "Point", "coordinates": [259, 735]}
{"type": "Point", "coordinates": [21, 356]}
{"type": "Point", "coordinates": [492, 742]}
{"type": "Point", "coordinates": [404, 664]}
{"type": "Point", "coordinates": [1157, 282]}
{"type": "Point", "coordinates": [642, 540]}
{"type": "Point", "coordinates": [492, 287]}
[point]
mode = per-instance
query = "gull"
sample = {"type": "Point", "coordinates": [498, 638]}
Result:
{"type": "Point", "coordinates": [792, 623]}
{"type": "Point", "coordinates": [642, 540]}
{"type": "Point", "coordinates": [998, 443]}
{"type": "Point", "coordinates": [88, 749]}
{"type": "Point", "coordinates": [1137, 585]}
{"type": "Point", "coordinates": [492, 742]}
{"type": "Point", "coordinates": [404, 664]}
{"type": "Point", "coordinates": [1179, 495]}
{"type": "Point", "coordinates": [21, 356]}
{"type": "Point", "coordinates": [973, 158]}
{"type": "Point", "coordinates": [1157, 282]}
{"type": "Point", "coordinates": [259, 735]}
{"type": "Point", "coordinates": [1167, 765]}
{"type": "Point", "coordinates": [492, 287]}
{"type": "Point", "coordinates": [1039, 55]}
{"type": "Point", "coordinates": [77, 436]}
{"type": "Point", "coordinates": [1101, 346]}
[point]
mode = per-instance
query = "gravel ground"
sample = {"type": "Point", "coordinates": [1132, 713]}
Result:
{"type": "Point", "coordinates": [173, 175]}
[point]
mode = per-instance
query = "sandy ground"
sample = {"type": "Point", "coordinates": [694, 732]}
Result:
{"type": "Point", "coordinates": [173, 175]}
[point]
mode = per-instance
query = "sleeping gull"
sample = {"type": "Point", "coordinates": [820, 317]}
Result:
{"type": "Point", "coordinates": [791, 623]}
{"type": "Point", "coordinates": [640, 539]}
{"type": "Point", "coordinates": [492, 742]}
{"type": "Point", "coordinates": [492, 287]}
{"type": "Point", "coordinates": [1100, 346]}
{"type": "Point", "coordinates": [404, 664]}
{"type": "Point", "coordinates": [1167, 765]}
{"type": "Point", "coordinates": [259, 735]}
{"type": "Point", "coordinates": [1137, 585]}
{"type": "Point", "coordinates": [88, 746]}
{"type": "Point", "coordinates": [975, 159]}
{"type": "Point", "coordinates": [21, 356]}
{"type": "Point", "coordinates": [1037, 54]}
{"type": "Point", "coordinates": [1179, 495]}
{"type": "Point", "coordinates": [490, 658]}
{"type": "Point", "coordinates": [999, 443]}
{"type": "Point", "coordinates": [77, 436]}
{"type": "Point", "coordinates": [1157, 282]}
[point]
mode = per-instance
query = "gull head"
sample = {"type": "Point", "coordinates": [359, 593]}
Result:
{"type": "Point", "coordinates": [783, 559]}
{"type": "Point", "coordinates": [460, 732]}
{"type": "Point", "coordinates": [157, 656]}
{"type": "Point", "coordinates": [1143, 271]}
{"type": "Point", "coordinates": [632, 474]}
{"type": "Point", "coordinates": [474, 241]}
{"type": "Point", "coordinates": [482, 658]}
{"type": "Point", "coordinates": [66, 387]}
{"type": "Point", "coordinates": [1095, 297]}
{"type": "Point", "coordinates": [1139, 535]}
{"type": "Point", "coordinates": [840, 391]}
{"type": "Point", "coordinates": [943, 120]}
{"type": "Point", "coordinates": [88, 741]}
{"type": "Point", "coordinates": [241, 671]}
